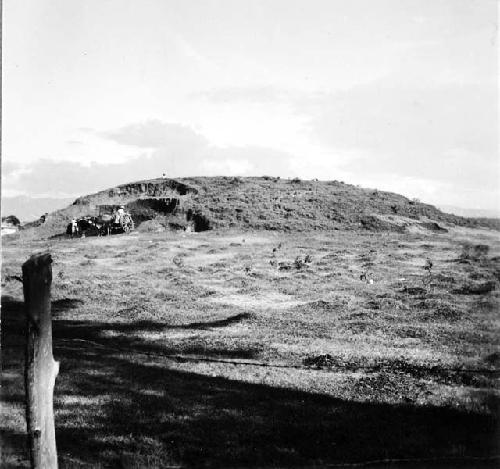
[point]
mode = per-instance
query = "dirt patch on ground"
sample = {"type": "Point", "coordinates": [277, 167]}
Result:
{"type": "Point", "coordinates": [264, 300]}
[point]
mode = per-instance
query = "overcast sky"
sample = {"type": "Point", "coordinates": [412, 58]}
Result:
{"type": "Point", "coordinates": [401, 95]}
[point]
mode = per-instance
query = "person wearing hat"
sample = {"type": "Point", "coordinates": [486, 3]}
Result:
{"type": "Point", "coordinates": [119, 214]}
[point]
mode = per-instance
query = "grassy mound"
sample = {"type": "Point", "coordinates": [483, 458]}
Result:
{"type": "Point", "coordinates": [264, 203]}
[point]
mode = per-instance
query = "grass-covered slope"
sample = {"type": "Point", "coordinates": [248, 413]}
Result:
{"type": "Point", "coordinates": [273, 203]}
{"type": "Point", "coordinates": [270, 203]}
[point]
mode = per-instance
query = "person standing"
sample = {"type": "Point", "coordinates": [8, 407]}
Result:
{"type": "Point", "coordinates": [119, 214]}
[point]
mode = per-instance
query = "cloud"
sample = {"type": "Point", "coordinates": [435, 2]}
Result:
{"type": "Point", "coordinates": [180, 150]}
{"type": "Point", "coordinates": [418, 141]}
{"type": "Point", "coordinates": [441, 133]}
{"type": "Point", "coordinates": [263, 94]}
{"type": "Point", "coordinates": [175, 149]}
{"type": "Point", "coordinates": [9, 168]}
{"type": "Point", "coordinates": [56, 178]}
{"type": "Point", "coordinates": [157, 134]}
{"type": "Point", "coordinates": [249, 161]}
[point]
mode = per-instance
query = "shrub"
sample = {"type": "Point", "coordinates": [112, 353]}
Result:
{"type": "Point", "coordinates": [12, 219]}
{"type": "Point", "coordinates": [178, 222]}
{"type": "Point", "coordinates": [474, 252]}
{"type": "Point", "coordinates": [476, 288]}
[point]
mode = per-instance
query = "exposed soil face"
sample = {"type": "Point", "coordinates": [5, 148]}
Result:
{"type": "Point", "coordinates": [141, 189]}
{"type": "Point", "coordinates": [200, 222]}
{"type": "Point", "coordinates": [148, 209]}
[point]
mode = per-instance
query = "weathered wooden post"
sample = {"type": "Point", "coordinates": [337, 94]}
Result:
{"type": "Point", "coordinates": [41, 368]}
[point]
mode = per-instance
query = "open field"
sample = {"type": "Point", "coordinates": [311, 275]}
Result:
{"type": "Point", "coordinates": [231, 349]}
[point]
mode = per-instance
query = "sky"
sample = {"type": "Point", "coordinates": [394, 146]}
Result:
{"type": "Point", "coordinates": [399, 95]}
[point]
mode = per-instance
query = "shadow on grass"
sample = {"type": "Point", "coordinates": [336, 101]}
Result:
{"type": "Point", "coordinates": [65, 304]}
{"type": "Point", "coordinates": [114, 410]}
{"type": "Point", "coordinates": [219, 323]}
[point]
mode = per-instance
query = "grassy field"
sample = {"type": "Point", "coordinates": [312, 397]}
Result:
{"type": "Point", "coordinates": [234, 349]}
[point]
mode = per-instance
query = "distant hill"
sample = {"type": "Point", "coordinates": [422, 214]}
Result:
{"type": "Point", "coordinates": [30, 208]}
{"type": "Point", "coordinates": [470, 212]}
{"type": "Point", "coordinates": [267, 203]}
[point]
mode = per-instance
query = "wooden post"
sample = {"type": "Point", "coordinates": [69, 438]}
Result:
{"type": "Point", "coordinates": [41, 369]}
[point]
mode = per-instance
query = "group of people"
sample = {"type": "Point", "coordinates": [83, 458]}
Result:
{"type": "Point", "coordinates": [119, 218]}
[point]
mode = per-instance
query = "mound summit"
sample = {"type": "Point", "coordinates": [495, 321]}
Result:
{"type": "Point", "coordinates": [262, 203]}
